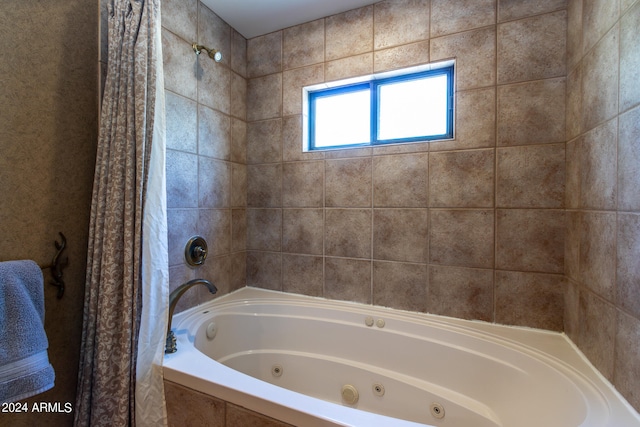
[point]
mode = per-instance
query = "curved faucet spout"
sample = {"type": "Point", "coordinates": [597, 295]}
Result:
{"type": "Point", "coordinates": [170, 345]}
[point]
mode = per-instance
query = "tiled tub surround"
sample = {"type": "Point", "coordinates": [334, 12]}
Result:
{"type": "Point", "coordinates": [473, 227]}
{"type": "Point", "coordinates": [206, 146]}
{"type": "Point", "coordinates": [602, 303]}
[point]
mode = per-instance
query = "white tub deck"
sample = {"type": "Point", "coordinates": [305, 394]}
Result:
{"type": "Point", "coordinates": [288, 356]}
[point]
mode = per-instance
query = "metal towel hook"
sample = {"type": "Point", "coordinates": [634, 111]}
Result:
{"type": "Point", "coordinates": [57, 265]}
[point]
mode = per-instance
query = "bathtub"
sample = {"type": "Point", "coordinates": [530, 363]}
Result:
{"type": "Point", "coordinates": [314, 362]}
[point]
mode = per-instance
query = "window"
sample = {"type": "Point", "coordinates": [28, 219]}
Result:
{"type": "Point", "coordinates": [416, 105]}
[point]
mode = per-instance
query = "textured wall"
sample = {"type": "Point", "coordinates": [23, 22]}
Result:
{"type": "Point", "coordinates": [48, 133]}
{"type": "Point", "coordinates": [472, 227]}
{"type": "Point", "coordinates": [206, 146]}
{"type": "Point", "coordinates": [602, 198]}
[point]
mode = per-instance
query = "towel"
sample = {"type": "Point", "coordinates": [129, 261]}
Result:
{"type": "Point", "coordinates": [24, 362]}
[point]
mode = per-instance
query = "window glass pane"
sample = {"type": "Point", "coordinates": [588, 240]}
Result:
{"type": "Point", "coordinates": [343, 119]}
{"type": "Point", "coordinates": [413, 108]}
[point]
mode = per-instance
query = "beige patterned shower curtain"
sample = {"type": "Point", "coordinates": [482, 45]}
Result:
{"type": "Point", "coordinates": [113, 295]}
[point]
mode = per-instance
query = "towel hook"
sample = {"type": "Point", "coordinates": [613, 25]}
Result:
{"type": "Point", "coordinates": [57, 265]}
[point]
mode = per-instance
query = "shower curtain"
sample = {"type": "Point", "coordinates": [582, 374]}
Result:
{"type": "Point", "coordinates": [126, 290]}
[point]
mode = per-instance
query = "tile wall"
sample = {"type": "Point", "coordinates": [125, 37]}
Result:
{"type": "Point", "coordinates": [206, 146]}
{"type": "Point", "coordinates": [472, 227]}
{"type": "Point", "coordinates": [602, 249]}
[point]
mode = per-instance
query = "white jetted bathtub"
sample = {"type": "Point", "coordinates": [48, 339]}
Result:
{"type": "Point", "coordinates": [315, 362]}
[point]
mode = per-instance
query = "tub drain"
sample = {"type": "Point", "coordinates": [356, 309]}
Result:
{"type": "Point", "coordinates": [437, 410]}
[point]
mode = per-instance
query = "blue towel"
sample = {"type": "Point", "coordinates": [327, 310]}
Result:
{"type": "Point", "coordinates": [24, 362]}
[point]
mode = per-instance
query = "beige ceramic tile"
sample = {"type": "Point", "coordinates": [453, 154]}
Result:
{"type": "Point", "coordinates": [238, 185]}
{"type": "Point", "coordinates": [189, 407]}
{"type": "Point", "coordinates": [400, 180]}
{"type": "Point", "coordinates": [181, 18]}
{"type": "Point", "coordinates": [399, 22]}
{"type": "Point", "coordinates": [530, 299]}
{"type": "Point", "coordinates": [264, 99]}
{"type": "Point", "coordinates": [449, 16]}
{"type": "Point", "coordinates": [211, 77]}
{"type": "Point", "coordinates": [302, 184]}
{"type": "Point", "coordinates": [598, 167]}
{"type": "Point", "coordinates": [461, 237]}
{"type": "Point", "coordinates": [572, 310]}
{"type": "Point", "coordinates": [238, 230]}
{"type": "Point", "coordinates": [264, 54]}
{"type": "Point", "coordinates": [264, 229]}
{"type": "Point", "coordinates": [182, 173]}
{"type": "Point", "coordinates": [218, 230]}
{"type": "Point", "coordinates": [401, 56]}
{"type": "Point", "coordinates": [598, 253]}
{"type": "Point", "coordinates": [532, 112]}
{"type": "Point", "coordinates": [213, 32]}
{"type": "Point", "coordinates": [465, 293]}
{"type": "Point", "coordinates": [264, 270]}
{"type": "Point", "coordinates": [238, 106]}
{"type": "Point", "coordinates": [630, 59]}
{"type": "Point", "coordinates": [292, 141]}
{"type": "Point", "coordinates": [533, 48]}
{"type": "Point", "coordinates": [178, 62]}
{"type": "Point", "coordinates": [628, 268]}
{"type": "Point", "coordinates": [509, 10]}
{"type": "Point", "coordinates": [218, 271]}
{"type": "Point", "coordinates": [349, 33]}
{"type": "Point", "coordinates": [351, 66]}
{"type": "Point", "coordinates": [531, 176]}
{"type": "Point", "coordinates": [214, 134]}
{"type": "Point", "coordinates": [348, 182]}
{"type": "Point", "coordinates": [400, 234]}
{"type": "Point", "coordinates": [302, 231]}
{"type": "Point", "coordinates": [475, 55]}
{"type": "Point", "coordinates": [238, 58]}
{"type": "Point", "coordinates": [348, 233]}
{"type": "Point", "coordinates": [462, 178]}
{"type": "Point", "coordinates": [292, 83]}
{"type": "Point", "coordinates": [597, 332]}
{"type": "Point", "coordinates": [238, 141]}
{"type": "Point", "coordinates": [573, 178]}
{"type": "Point", "coordinates": [574, 103]}
{"type": "Point", "coordinates": [264, 141]}
{"type": "Point", "coordinates": [600, 81]}
{"type": "Point", "coordinates": [214, 183]}
{"type": "Point", "coordinates": [303, 274]}
{"type": "Point", "coordinates": [572, 245]}
{"type": "Point", "coordinates": [574, 33]}
{"type": "Point", "coordinates": [181, 122]}
{"type": "Point", "coordinates": [238, 275]}
{"type": "Point", "coordinates": [400, 286]}
{"type": "Point", "coordinates": [530, 240]}
{"type": "Point", "coordinates": [182, 224]}
{"type": "Point", "coordinates": [629, 161]}
{"type": "Point", "coordinates": [475, 125]}
{"type": "Point", "coordinates": [264, 185]}
{"type": "Point", "coordinates": [303, 44]}
{"type": "Point", "coordinates": [626, 374]}
{"type": "Point", "coordinates": [347, 279]}
{"type": "Point", "coordinates": [598, 16]}
{"type": "Point", "coordinates": [238, 416]}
